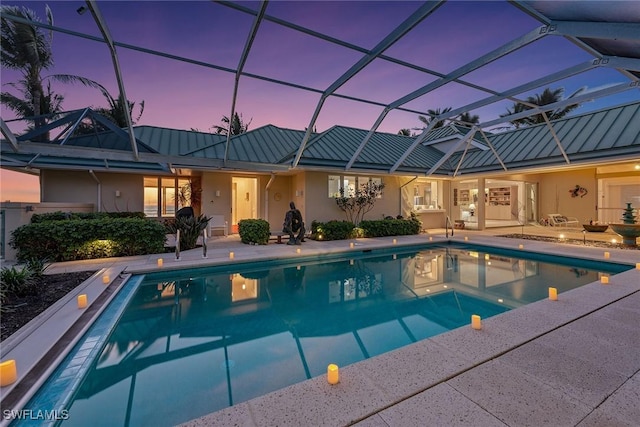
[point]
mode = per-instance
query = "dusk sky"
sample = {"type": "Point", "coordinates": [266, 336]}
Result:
{"type": "Point", "coordinates": [184, 96]}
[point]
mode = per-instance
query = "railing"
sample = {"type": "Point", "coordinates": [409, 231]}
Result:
{"type": "Point", "coordinates": [447, 223]}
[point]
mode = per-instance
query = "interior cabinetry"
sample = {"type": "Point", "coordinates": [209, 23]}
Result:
{"type": "Point", "coordinates": [500, 196]}
{"type": "Point", "coordinates": [502, 203]}
{"type": "Point", "coordinates": [464, 198]}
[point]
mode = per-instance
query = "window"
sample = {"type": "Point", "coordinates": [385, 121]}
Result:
{"type": "Point", "coordinates": [162, 196]}
{"type": "Point", "coordinates": [350, 184]}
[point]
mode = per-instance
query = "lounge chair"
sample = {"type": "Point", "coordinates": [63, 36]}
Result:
{"type": "Point", "coordinates": [558, 220]}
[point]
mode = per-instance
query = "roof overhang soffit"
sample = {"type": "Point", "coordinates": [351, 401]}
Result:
{"type": "Point", "coordinates": [113, 155]}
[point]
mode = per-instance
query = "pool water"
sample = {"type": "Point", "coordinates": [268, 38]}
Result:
{"type": "Point", "coordinates": [192, 342]}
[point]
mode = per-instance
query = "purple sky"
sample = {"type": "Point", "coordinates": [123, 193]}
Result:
{"type": "Point", "coordinates": [183, 96]}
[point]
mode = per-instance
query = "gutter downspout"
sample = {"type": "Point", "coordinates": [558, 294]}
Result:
{"type": "Point", "coordinates": [401, 187]}
{"type": "Point", "coordinates": [266, 195]}
{"type": "Point", "coordinates": [99, 204]}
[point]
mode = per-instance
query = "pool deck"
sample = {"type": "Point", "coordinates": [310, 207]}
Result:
{"type": "Point", "coordinates": [571, 362]}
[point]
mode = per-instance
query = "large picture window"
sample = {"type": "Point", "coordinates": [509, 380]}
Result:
{"type": "Point", "coordinates": [161, 196]}
{"type": "Point", "coordinates": [350, 184]}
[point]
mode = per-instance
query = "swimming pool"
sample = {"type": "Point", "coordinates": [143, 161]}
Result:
{"type": "Point", "coordinates": [192, 342]}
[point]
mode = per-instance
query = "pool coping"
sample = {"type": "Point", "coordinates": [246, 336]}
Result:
{"type": "Point", "coordinates": [247, 254]}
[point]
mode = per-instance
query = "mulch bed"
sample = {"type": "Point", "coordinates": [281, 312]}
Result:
{"type": "Point", "coordinates": [51, 287]}
{"type": "Point", "coordinates": [583, 242]}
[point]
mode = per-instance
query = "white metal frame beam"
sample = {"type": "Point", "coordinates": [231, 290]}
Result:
{"type": "Point", "coordinates": [407, 25]}
{"type": "Point", "coordinates": [241, 63]}
{"type": "Point", "coordinates": [97, 16]}
{"type": "Point", "coordinates": [495, 54]}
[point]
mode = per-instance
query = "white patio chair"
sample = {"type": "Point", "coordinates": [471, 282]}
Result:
{"type": "Point", "coordinates": [558, 220]}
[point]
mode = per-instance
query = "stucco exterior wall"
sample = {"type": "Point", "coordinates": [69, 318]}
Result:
{"type": "Point", "coordinates": [111, 192]}
{"type": "Point", "coordinates": [555, 196]}
{"type": "Point", "coordinates": [320, 207]}
{"type": "Point", "coordinates": [18, 214]}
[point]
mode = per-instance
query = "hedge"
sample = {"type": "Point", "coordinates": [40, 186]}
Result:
{"type": "Point", "coordinates": [254, 231]}
{"type": "Point", "coordinates": [332, 230]}
{"type": "Point", "coordinates": [390, 227]}
{"type": "Point", "coordinates": [75, 239]}
{"type": "Point", "coordinates": [63, 216]}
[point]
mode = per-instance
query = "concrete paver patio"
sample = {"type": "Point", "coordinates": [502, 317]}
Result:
{"type": "Point", "coordinates": [571, 362]}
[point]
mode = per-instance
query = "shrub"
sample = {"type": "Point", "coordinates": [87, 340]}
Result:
{"type": "Point", "coordinates": [17, 281]}
{"type": "Point", "coordinates": [190, 229]}
{"type": "Point", "coordinates": [332, 230]}
{"type": "Point", "coordinates": [254, 231]}
{"type": "Point", "coordinates": [82, 239]}
{"type": "Point", "coordinates": [62, 216]}
{"type": "Point", "coordinates": [37, 266]}
{"type": "Point", "coordinates": [355, 206]}
{"type": "Point", "coordinates": [391, 227]}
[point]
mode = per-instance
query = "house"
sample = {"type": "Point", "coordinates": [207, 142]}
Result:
{"type": "Point", "coordinates": [587, 168]}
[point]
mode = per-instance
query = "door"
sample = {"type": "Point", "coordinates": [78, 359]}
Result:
{"type": "Point", "coordinates": [244, 200]}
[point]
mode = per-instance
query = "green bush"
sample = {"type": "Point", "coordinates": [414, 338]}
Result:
{"type": "Point", "coordinates": [254, 231]}
{"type": "Point", "coordinates": [16, 281]}
{"type": "Point", "coordinates": [37, 266]}
{"type": "Point", "coordinates": [190, 229]}
{"type": "Point", "coordinates": [332, 230]}
{"type": "Point", "coordinates": [390, 227]}
{"type": "Point", "coordinates": [62, 216]}
{"type": "Point", "coordinates": [83, 239]}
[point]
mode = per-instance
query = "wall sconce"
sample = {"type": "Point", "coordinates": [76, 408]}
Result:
{"type": "Point", "coordinates": [117, 193]}
{"type": "Point", "coordinates": [299, 193]}
{"type": "Point", "coordinates": [217, 193]}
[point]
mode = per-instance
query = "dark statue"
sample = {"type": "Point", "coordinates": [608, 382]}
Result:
{"type": "Point", "coordinates": [293, 224]}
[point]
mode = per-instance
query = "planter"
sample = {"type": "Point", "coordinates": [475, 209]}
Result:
{"type": "Point", "coordinates": [629, 232]}
{"type": "Point", "coordinates": [595, 228]}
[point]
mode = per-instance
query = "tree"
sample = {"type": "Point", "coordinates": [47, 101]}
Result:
{"type": "Point", "coordinates": [238, 125]}
{"type": "Point", "coordinates": [356, 206]}
{"type": "Point", "coordinates": [432, 115]}
{"type": "Point", "coordinates": [115, 111]}
{"type": "Point", "coordinates": [27, 48]}
{"type": "Point", "coordinates": [547, 97]}
{"type": "Point", "coordinates": [468, 118]}
{"type": "Point", "coordinates": [405, 132]}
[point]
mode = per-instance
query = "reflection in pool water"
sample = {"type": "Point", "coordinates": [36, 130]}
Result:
{"type": "Point", "coordinates": [193, 342]}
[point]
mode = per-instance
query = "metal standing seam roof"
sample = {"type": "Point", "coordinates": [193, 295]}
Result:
{"type": "Point", "coordinates": [600, 135]}
{"type": "Point", "coordinates": [175, 142]}
{"type": "Point", "coordinates": [267, 144]}
{"type": "Point", "coordinates": [610, 35]}
{"type": "Point", "coordinates": [334, 147]}
{"type": "Point", "coordinates": [604, 134]}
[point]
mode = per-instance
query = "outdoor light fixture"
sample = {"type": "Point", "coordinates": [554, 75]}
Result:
{"type": "Point", "coordinates": [333, 374]}
{"type": "Point", "coordinates": [476, 322]}
{"type": "Point", "coordinates": [81, 10]}
{"type": "Point", "coordinates": [8, 372]}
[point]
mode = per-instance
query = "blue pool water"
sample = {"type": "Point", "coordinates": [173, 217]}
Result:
{"type": "Point", "coordinates": [187, 343]}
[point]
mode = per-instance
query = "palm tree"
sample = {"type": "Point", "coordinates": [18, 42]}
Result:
{"type": "Point", "coordinates": [404, 132]}
{"type": "Point", "coordinates": [238, 125]}
{"type": "Point", "coordinates": [115, 111]}
{"type": "Point", "coordinates": [548, 96]}
{"type": "Point", "coordinates": [466, 117]}
{"type": "Point", "coordinates": [27, 48]}
{"type": "Point", "coordinates": [432, 115]}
